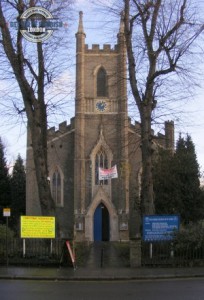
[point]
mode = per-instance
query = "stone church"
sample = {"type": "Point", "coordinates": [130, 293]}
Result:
{"type": "Point", "coordinates": [99, 134]}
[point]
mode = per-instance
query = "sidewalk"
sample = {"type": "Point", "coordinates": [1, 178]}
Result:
{"type": "Point", "coordinates": [63, 273]}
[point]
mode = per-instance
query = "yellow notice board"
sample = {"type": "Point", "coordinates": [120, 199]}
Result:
{"type": "Point", "coordinates": [37, 227]}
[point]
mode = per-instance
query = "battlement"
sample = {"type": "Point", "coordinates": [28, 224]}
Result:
{"type": "Point", "coordinates": [62, 128]}
{"type": "Point", "coordinates": [165, 140]}
{"type": "Point", "coordinates": [96, 48]}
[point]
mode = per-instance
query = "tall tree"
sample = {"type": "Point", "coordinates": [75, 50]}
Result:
{"type": "Point", "coordinates": [34, 66]}
{"type": "Point", "coordinates": [176, 183]}
{"type": "Point", "coordinates": [159, 36]}
{"type": "Point", "coordinates": [5, 196]}
{"type": "Point", "coordinates": [165, 183]}
{"type": "Point", "coordinates": [192, 208]}
{"type": "Point", "coordinates": [18, 191]}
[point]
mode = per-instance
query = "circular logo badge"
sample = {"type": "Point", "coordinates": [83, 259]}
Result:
{"type": "Point", "coordinates": [36, 24]}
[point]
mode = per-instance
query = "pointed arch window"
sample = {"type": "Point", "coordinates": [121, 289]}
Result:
{"type": "Point", "coordinates": [101, 83]}
{"type": "Point", "coordinates": [101, 161]}
{"type": "Point", "coordinates": [57, 188]}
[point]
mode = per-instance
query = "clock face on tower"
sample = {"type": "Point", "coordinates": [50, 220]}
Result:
{"type": "Point", "coordinates": [101, 105]}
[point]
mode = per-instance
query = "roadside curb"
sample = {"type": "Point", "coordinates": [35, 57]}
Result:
{"type": "Point", "coordinates": [98, 275]}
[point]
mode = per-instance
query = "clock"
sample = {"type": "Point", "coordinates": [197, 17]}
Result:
{"type": "Point", "coordinates": [101, 105]}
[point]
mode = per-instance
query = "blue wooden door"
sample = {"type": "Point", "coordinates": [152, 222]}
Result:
{"type": "Point", "coordinates": [98, 224]}
{"type": "Point", "coordinates": [101, 223]}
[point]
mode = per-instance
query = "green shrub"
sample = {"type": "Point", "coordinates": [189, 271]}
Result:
{"type": "Point", "coordinates": [10, 233]}
{"type": "Point", "coordinates": [190, 236]}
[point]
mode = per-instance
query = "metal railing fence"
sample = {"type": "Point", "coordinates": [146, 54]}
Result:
{"type": "Point", "coordinates": [46, 251]}
{"type": "Point", "coordinates": [31, 251]}
{"type": "Point", "coordinates": [167, 253]}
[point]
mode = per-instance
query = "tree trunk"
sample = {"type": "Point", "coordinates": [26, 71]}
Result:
{"type": "Point", "coordinates": [39, 146]}
{"type": "Point", "coordinates": [35, 107]}
{"type": "Point", "coordinates": [147, 194]}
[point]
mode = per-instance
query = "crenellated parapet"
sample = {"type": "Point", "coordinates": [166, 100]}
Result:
{"type": "Point", "coordinates": [106, 48]}
{"type": "Point", "coordinates": [62, 129]}
{"type": "Point", "coordinates": [165, 140]}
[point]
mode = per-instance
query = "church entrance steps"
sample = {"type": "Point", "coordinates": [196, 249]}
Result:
{"type": "Point", "coordinates": [108, 255]}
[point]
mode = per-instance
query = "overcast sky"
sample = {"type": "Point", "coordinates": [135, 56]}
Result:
{"type": "Point", "coordinates": [97, 28]}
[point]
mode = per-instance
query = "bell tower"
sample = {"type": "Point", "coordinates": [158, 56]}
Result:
{"type": "Point", "coordinates": [101, 138]}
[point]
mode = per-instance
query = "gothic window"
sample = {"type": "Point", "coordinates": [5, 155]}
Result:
{"type": "Point", "coordinates": [101, 83]}
{"type": "Point", "coordinates": [100, 161]}
{"type": "Point", "coordinates": [57, 188]}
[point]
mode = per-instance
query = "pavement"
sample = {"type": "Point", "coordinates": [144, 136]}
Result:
{"type": "Point", "coordinates": [85, 274]}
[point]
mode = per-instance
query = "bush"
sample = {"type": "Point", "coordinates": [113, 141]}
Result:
{"type": "Point", "coordinates": [10, 233]}
{"type": "Point", "coordinates": [190, 236]}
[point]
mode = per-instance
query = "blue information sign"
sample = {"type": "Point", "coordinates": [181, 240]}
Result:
{"type": "Point", "coordinates": [159, 227]}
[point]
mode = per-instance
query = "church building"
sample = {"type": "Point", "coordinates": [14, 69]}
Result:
{"type": "Point", "coordinates": [99, 135]}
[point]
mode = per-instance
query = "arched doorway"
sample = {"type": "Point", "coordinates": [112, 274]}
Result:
{"type": "Point", "coordinates": [101, 223]}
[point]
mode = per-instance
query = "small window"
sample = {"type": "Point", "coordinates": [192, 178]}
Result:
{"type": "Point", "coordinates": [102, 162]}
{"type": "Point", "coordinates": [57, 188]}
{"type": "Point", "coordinates": [101, 83]}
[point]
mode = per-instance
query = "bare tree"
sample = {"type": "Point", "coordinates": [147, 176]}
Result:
{"type": "Point", "coordinates": [34, 67]}
{"type": "Point", "coordinates": [160, 36]}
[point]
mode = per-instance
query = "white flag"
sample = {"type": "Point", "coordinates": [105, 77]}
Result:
{"type": "Point", "coordinates": [105, 174]}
